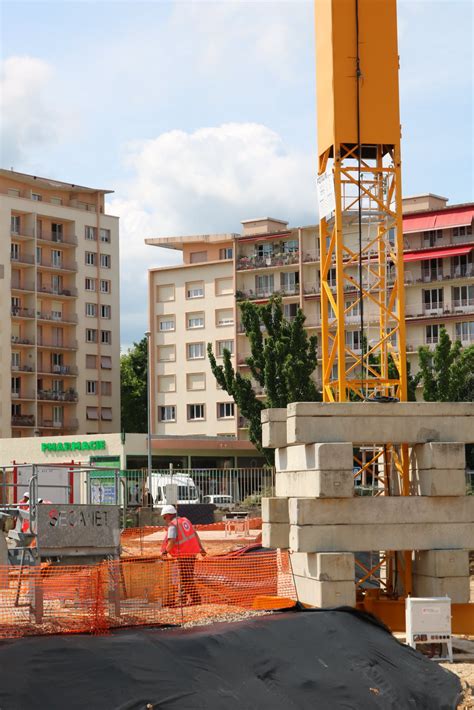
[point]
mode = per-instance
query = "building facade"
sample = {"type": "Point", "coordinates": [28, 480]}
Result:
{"type": "Point", "coordinates": [60, 328]}
{"type": "Point", "coordinates": [197, 302]}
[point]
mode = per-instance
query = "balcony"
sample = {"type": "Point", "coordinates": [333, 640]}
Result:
{"type": "Point", "coordinates": [57, 265]}
{"type": "Point", "coordinates": [18, 340]}
{"type": "Point", "coordinates": [56, 238]}
{"type": "Point", "coordinates": [251, 295]}
{"type": "Point", "coordinates": [245, 263]}
{"type": "Point", "coordinates": [25, 286]}
{"type": "Point", "coordinates": [68, 292]}
{"type": "Point", "coordinates": [27, 259]}
{"type": "Point", "coordinates": [54, 345]}
{"type": "Point", "coordinates": [17, 312]}
{"type": "Point", "coordinates": [22, 395]}
{"type": "Point", "coordinates": [310, 256]}
{"type": "Point", "coordinates": [23, 368]}
{"type": "Point", "coordinates": [57, 317]}
{"type": "Point", "coordinates": [63, 370]}
{"type": "Point", "coordinates": [22, 233]}
{"type": "Point", "coordinates": [23, 420]}
{"type": "Point", "coordinates": [52, 396]}
{"type": "Point", "coordinates": [69, 425]}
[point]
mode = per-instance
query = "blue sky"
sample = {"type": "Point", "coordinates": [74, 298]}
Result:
{"type": "Point", "coordinates": [201, 114]}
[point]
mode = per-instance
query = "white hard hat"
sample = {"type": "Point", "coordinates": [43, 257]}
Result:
{"type": "Point", "coordinates": [26, 494]}
{"type": "Point", "coordinates": [168, 510]}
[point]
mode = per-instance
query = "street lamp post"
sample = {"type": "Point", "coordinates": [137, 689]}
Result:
{"type": "Point", "coordinates": [149, 412]}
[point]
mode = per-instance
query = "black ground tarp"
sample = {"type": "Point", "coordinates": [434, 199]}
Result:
{"type": "Point", "coordinates": [323, 660]}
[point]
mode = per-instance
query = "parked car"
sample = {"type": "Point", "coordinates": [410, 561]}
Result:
{"type": "Point", "coordinates": [221, 501]}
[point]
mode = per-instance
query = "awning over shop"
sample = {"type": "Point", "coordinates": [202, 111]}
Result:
{"type": "Point", "coordinates": [436, 253]}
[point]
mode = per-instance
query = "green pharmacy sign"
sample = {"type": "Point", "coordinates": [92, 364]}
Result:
{"type": "Point", "coordinates": [73, 445]}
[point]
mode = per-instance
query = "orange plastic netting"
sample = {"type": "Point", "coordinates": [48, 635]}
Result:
{"type": "Point", "coordinates": [139, 591]}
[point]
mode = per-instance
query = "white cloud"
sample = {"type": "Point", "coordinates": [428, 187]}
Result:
{"type": "Point", "coordinates": [28, 118]}
{"type": "Point", "coordinates": [201, 182]}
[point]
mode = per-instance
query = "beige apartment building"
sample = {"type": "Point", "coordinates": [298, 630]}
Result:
{"type": "Point", "coordinates": [197, 302]}
{"type": "Point", "coordinates": [59, 289]}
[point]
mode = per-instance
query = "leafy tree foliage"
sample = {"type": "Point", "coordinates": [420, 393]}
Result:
{"type": "Point", "coordinates": [447, 373]}
{"type": "Point", "coordinates": [133, 387]}
{"type": "Point", "coordinates": [281, 362]}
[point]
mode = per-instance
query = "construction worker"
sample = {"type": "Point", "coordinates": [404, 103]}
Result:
{"type": "Point", "coordinates": [24, 504]}
{"type": "Point", "coordinates": [182, 542]}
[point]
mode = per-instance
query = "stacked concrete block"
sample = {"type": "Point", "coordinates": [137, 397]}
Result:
{"type": "Point", "coordinates": [439, 573]}
{"type": "Point", "coordinates": [317, 516]}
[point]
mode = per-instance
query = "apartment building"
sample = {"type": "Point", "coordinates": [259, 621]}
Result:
{"type": "Point", "coordinates": [197, 302]}
{"type": "Point", "coordinates": [59, 329]}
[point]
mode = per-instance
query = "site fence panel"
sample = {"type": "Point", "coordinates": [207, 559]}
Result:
{"type": "Point", "coordinates": [133, 592]}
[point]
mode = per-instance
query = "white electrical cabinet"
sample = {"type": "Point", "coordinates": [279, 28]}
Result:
{"type": "Point", "coordinates": [428, 621]}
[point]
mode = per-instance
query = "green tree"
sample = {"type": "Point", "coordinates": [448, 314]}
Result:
{"type": "Point", "coordinates": [133, 388]}
{"type": "Point", "coordinates": [447, 373]}
{"type": "Point", "coordinates": [281, 362]}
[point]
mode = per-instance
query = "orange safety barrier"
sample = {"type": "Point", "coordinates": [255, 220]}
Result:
{"type": "Point", "coordinates": [139, 591]}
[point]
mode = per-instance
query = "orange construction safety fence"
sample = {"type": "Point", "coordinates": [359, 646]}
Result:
{"type": "Point", "coordinates": [139, 591]}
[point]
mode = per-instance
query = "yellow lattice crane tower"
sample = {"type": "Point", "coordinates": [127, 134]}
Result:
{"type": "Point", "coordinates": [360, 200]}
{"type": "Point", "coordinates": [361, 238]}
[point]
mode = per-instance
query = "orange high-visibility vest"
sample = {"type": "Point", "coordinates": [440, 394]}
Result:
{"type": "Point", "coordinates": [186, 543]}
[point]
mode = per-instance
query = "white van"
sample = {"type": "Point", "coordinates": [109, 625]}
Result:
{"type": "Point", "coordinates": [187, 491]}
{"type": "Point", "coordinates": [221, 501]}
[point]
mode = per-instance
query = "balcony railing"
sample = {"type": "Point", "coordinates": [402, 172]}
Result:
{"type": "Point", "coordinates": [63, 370]}
{"type": "Point", "coordinates": [71, 291]}
{"type": "Point", "coordinates": [22, 232]}
{"type": "Point", "coordinates": [25, 286]}
{"type": "Point", "coordinates": [57, 265]}
{"type": "Point", "coordinates": [69, 425]}
{"type": "Point", "coordinates": [23, 420]}
{"type": "Point", "coordinates": [262, 262]}
{"type": "Point", "coordinates": [22, 368]}
{"type": "Point", "coordinates": [55, 238]}
{"type": "Point", "coordinates": [17, 312]}
{"type": "Point", "coordinates": [53, 396]}
{"type": "Point", "coordinates": [22, 395]}
{"type": "Point", "coordinates": [58, 318]}
{"type": "Point", "coordinates": [251, 295]}
{"type": "Point", "coordinates": [54, 345]}
{"type": "Point", "coordinates": [309, 256]}
{"type": "Point", "coordinates": [18, 340]}
{"type": "Point", "coordinates": [22, 259]}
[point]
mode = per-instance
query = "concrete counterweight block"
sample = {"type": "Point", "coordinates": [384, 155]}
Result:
{"type": "Point", "coordinates": [315, 457]}
{"type": "Point", "coordinates": [315, 484]}
{"type": "Point", "coordinates": [275, 510]}
{"type": "Point", "coordinates": [442, 572]}
{"type": "Point", "coordinates": [275, 535]}
{"type": "Point", "coordinates": [325, 594]}
{"type": "Point", "coordinates": [440, 455]}
{"type": "Point", "coordinates": [273, 428]}
{"type": "Point", "coordinates": [324, 566]}
{"type": "Point", "coordinates": [456, 588]}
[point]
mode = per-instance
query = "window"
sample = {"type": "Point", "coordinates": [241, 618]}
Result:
{"type": "Point", "coordinates": [461, 265]}
{"type": "Point", "coordinates": [105, 261]}
{"type": "Point", "coordinates": [106, 389]}
{"type": "Point", "coordinates": [15, 385]}
{"type": "Point", "coordinates": [264, 250]}
{"type": "Point", "coordinates": [91, 386]}
{"type": "Point", "coordinates": [354, 307]}
{"type": "Point", "coordinates": [106, 337]}
{"type": "Point", "coordinates": [225, 410]}
{"type": "Point", "coordinates": [462, 296]}
{"type": "Point", "coordinates": [195, 412]}
{"type": "Point", "coordinates": [465, 332]}
{"type": "Point", "coordinates": [166, 323]}
{"type": "Point", "coordinates": [290, 246]}
{"type": "Point", "coordinates": [14, 251]}
{"type": "Point", "coordinates": [38, 254]}
{"type": "Point", "coordinates": [167, 413]}
{"type": "Point", "coordinates": [465, 231]}
{"type": "Point", "coordinates": [106, 414]}
{"type": "Point", "coordinates": [90, 258]}
{"type": "Point", "coordinates": [56, 257]}
{"type": "Point", "coordinates": [167, 383]}
{"type": "Point", "coordinates": [431, 238]}
{"type": "Point", "coordinates": [197, 256]}
{"type": "Point", "coordinates": [15, 224]}
{"type": "Point", "coordinates": [15, 361]}
{"type": "Point", "coordinates": [224, 345]}
{"type": "Point", "coordinates": [195, 351]}
{"type": "Point", "coordinates": [432, 333]}
{"type": "Point", "coordinates": [92, 413]}
{"type": "Point", "coordinates": [264, 284]}
{"type": "Point", "coordinates": [105, 235]}
{"type": "Point", "coordinates": [91, 362]}
{"type": "Point", "coordinates": [195, 289]}
{"type": "Point", "coordinates": [353, 340]}
{"type": "Point", "coordinates": [196, 381]}
{"type": "Point", "coordinates": [56, 201]}
{"type": "Point", "coordinates": [226, 253]}
{"type": "Point", "coordinates": [104, 286]}
{"type": "Point", "coordinates": [224, 316]}
{"type": "Point", "coordinates": [289, 281]}
{"type": "Point", "coordinates": [194, 320]}
{"type": "Point", "coordinates": [91, 234]}
{"type": "Point", "coordinates": [56, 232]}
{"type": "Point", "coordinates": [91, 310]}
{"type": "Point", "coordinates": [224, 287]}
{"type": "Point", "coordinates": [36, 197]}
{"type": "Point", "coordinates": [432, 269]}
{"type": "Point", "coordinates": [290, 310]}
{"type": "Point", "coordinates": [91, 284]}
{"type": "Point", "coordinates": [166, 353]}
{"type": "Point", "coordinates": [105, 311]}
{"type": "Point", "coordinates": [91, 335]}
{"type": "Point", "coordinates": [433, 299]}
{"type": "Point", "coordinates": [165, 293]}
{"type": "Point", "coordinates": [106, 362]}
